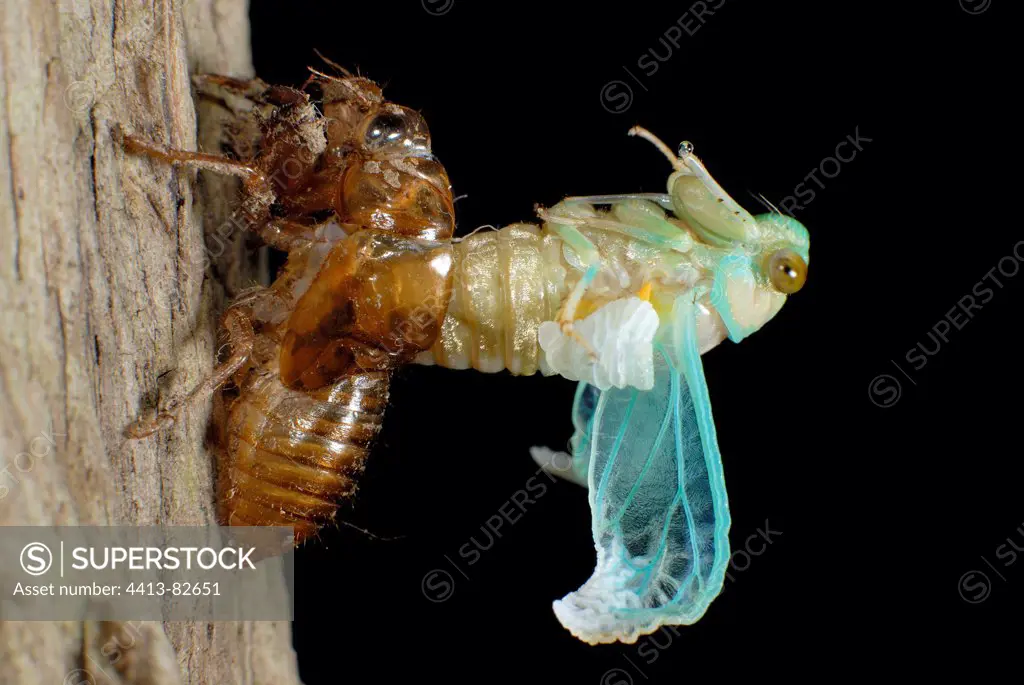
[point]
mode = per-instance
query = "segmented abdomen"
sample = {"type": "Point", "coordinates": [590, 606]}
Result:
{"type": "Point", "coordinates": [291, 455]}
{"type": "Point", "coordinates": [506, 283]}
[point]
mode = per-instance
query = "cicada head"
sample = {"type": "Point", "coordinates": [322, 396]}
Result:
{"type": "Point", "coordinates": [785, 252]}
{"type": "Point", "coordinates": [393, 182]}
{"type": "Point", "coordinates": [752, 280]}
{"type": "Point", "coordinates": [756, 261]}
{"type": "Point", "coordinates": [346, 103]}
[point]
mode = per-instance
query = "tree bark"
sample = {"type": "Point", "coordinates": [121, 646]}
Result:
{"type": "Point", "coordinates": [103, 293]}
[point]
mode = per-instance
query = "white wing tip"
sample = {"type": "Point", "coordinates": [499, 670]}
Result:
{"type": "Point", "coordinates": [592, 622]}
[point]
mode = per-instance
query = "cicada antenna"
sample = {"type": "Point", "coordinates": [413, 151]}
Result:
{"type": "Point", "coordinates": [656, 142]}
{"type": "Point", "coordinates": [766, 202]}
{"type": "Point", "coordinates": [314, 74]}
{"type": "Point", "coordinates": [770, 204]}
{"type": "Point", "coordinates": [331, 63]}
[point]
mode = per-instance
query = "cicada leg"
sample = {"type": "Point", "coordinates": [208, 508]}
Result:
{"type": "Point", "coordinates": [247, 92]}
{"type": "Point", "coordinates": [238, 324]}
{"type": "Point", "coordinates": [663, 200]}
{"type": "Point", "coordinates": [636, 218]}
{"type": "Point", "coordinates": [282, 234]}
{"type": "Point", "coordinates": [592, 260]}
{"type": "Point", "coordinates": [255, 182]}
{"type": "Point", "coordinates": [221, 87]}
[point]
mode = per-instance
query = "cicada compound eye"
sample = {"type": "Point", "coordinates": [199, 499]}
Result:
{"type": "Point", "coordinates": [396, 132]}
{"type": "Point", "coordinates": [787, 271]}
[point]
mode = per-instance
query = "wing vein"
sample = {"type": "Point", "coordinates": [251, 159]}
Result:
{"type": "Point", "coordinates": [681, 470]}
{"type": "Point", "coordinates": [608, 467]}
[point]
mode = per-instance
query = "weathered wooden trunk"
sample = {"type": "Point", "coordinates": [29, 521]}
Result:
{"type": "Point", "coordinates": [103, 292]}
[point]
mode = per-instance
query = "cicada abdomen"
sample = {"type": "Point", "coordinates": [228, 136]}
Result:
{"type": "Point", "coordinates": [291, 455]}
{"type": "Point", "coordinates": [505, 284]}
{"type": "Point", "coordinates": [513, 294]}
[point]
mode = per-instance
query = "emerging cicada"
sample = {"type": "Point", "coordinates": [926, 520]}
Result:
{"type": "Point", "coordinates": [626, 299]}
{"type": "Point", "coordinates": [364, 212]}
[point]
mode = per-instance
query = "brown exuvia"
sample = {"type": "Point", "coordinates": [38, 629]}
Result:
{"type": "Point", "coordinates": [346, 184]}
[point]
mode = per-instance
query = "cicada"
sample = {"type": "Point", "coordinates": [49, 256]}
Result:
{"type": "Point", "coordinates": [624, 293]}
{"type": "Point", "coordinates": [347, 185]}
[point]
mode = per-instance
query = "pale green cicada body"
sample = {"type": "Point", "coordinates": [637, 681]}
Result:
{"type": "Point", "coordinates": [624, 293]}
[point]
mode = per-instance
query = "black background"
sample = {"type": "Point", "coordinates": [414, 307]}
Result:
{"type": "Point", "coordinates": [881, 509]}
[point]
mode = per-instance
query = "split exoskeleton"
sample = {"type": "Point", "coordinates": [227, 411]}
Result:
{"type": "Point", "coordinates": [624, 293]}
{"type": "Point", "coordinates": [346, 184]}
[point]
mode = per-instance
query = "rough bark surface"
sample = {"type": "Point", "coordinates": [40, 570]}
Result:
{"type": "Point", "coordinates": [103, 292]}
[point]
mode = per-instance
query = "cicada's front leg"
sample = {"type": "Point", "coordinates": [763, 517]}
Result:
{"type": "Point", "coordinates": [237, 325]}
{"type": "Point", "coordinates": [255, 182]}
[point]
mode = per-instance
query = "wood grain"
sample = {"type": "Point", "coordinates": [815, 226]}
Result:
{"type": "Point", "coordinates": [107, 306]}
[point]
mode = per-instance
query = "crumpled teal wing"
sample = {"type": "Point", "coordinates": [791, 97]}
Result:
{"type": "Point", "coordinates": [659, 509]}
